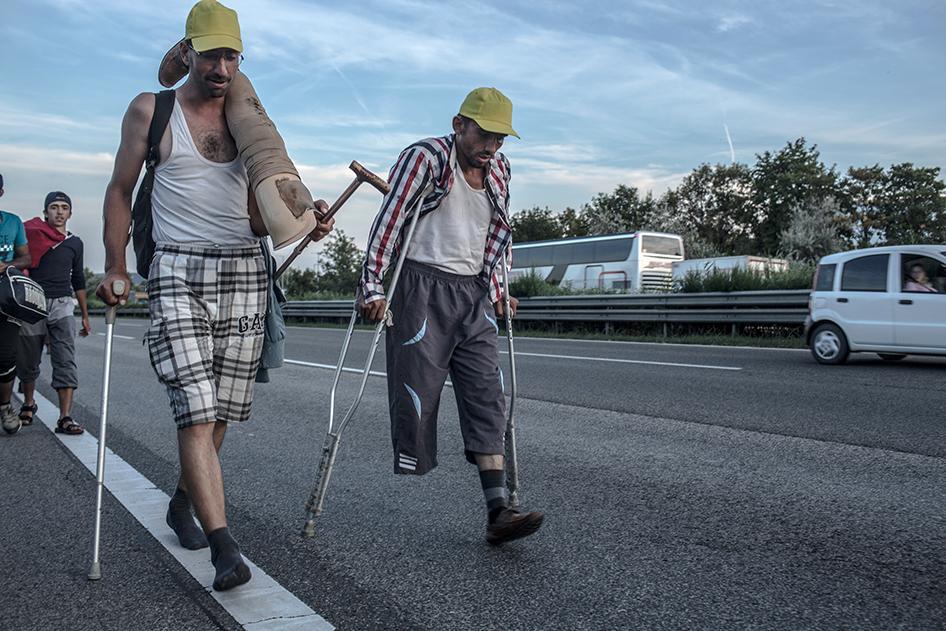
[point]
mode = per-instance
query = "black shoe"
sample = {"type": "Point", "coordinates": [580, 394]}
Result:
{"type": "Point", "coordinates": [511, 524]}
{"type": "Point", "coordinates": [189, 534]}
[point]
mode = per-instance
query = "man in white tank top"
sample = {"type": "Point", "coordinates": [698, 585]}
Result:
{"type": "Point", "coordinates": [207, 282]}
{"type": "Point", "coordinates": [448, 298]}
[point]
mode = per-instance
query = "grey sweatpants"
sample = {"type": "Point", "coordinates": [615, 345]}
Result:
{"type": "Point", "coordinates": [443, 324]}
{"type": "Point", "coordinates": [62, 345]}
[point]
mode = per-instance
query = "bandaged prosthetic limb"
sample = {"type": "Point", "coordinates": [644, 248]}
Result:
{"type": "Point", "coordinates": [284, 201]}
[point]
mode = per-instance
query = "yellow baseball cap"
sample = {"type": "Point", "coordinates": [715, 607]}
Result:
{"type": "Point", "coordinates": [490, 109]}
{"type": "Point", "coordinates": [211, 25]}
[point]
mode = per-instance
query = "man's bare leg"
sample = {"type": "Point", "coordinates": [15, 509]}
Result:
{"type": "Point", "coordinates": [29, 391]}
{"type": "Point", "coordinates": [65, 399]}
{"type": "Point", "coordinates": [179, 516]}
{"type": "Point", "coordinates": [200, 471]}
{"type": "Point", "coordinates": [200, 468]}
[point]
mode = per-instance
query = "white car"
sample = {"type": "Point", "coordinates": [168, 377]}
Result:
{"type": "Point", "coordinates": [888, 300]}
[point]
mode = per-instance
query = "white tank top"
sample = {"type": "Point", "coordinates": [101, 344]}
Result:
{"type": "Point", "coordinates": [452, 238]}
{"type": "Point", "coordinates": [198, 201]}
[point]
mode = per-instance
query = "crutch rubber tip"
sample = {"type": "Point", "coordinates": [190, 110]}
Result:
{"type": "Point", "coordinates": [96, 572]}
{"type": "Point", "coordinates": [308, 531]}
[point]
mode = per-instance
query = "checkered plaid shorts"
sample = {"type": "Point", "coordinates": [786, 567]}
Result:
{"type": "Point", "coordinates": [208, 307]}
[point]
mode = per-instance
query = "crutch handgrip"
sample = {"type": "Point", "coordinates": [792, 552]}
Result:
{"type": "Point", "coordinates": [118, 288]}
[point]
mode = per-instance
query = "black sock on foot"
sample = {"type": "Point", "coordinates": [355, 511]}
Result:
{"type": "Point", "coordinates": [182, 522]}
{"type": "Point", "coordinates": [494, 490]}
{"type": "Point", "coordinates": [225, 555]}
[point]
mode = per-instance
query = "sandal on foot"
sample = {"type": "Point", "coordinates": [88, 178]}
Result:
{"type": "Point", "coordinates": [27, 420]}
{"type": "Point", "coordinates": [67, 426]}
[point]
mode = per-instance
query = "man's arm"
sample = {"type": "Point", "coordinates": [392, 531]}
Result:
{"type": "Point", "coordinates": [131, 155]}
{"type": "Point", "coordinates": [21, 258]}
{"type": "Point", "coordinates": [78, 286]}
{"type": "Point", "coordinates": [409, 179]}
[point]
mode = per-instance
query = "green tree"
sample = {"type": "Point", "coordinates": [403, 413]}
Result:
{"type": "Point", "coordinates": [299, 284]}
{"type": "Point", "coordinates": [573, 224]}
{"type": "Point", "coordinates": [913, 205]}
{"type": "Point", "coordinates": [713, 209]}
{"type": "Point", "coordinates": [861, 198]}
{"type": "Point", "coordinates": [341, 264]}
{"type": "Point", "coordinates": [782, 182]}
{"type": "Point", "coordinates": [813, 231]}
{"type": "Point", "coordinates": [624, 210]}
{"type": "Point", "coordinates": [535, 224]}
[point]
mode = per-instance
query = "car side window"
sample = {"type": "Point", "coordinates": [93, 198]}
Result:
{"type": "Point", "coordinates": [922, 274]}
{"type": "Point", "coordinates": [865, 273]}
{"type": "Point", "coordinates": [824, 277]}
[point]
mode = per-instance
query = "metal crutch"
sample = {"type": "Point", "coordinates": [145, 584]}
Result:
{"type": "Point", "coordinates": [512, 460]}
{"type": "Point", "coordinates": [95, 572]}
{"type": "Point", "coordinates": [313, 505]}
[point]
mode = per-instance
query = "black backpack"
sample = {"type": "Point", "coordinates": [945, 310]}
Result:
{"type": "Point", "coordinates": [141, 212]}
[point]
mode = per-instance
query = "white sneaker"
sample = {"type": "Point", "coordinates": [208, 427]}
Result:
{"type": "Point", "coordinates": [11, 422]}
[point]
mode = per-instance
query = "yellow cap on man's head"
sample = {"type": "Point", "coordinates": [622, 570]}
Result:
{"type": "Point", "coordinates": [490, 109]}
{"type": "Point", "coordinates": [211, 25]}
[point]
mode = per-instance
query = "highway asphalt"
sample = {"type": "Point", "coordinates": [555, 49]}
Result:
{"type": "Point", "coordinates": [685, 487]}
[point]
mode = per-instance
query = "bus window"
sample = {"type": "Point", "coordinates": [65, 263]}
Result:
{"type": "Point", "coordinates": [666, 246]}
{"type": "Point", "coordinates": [613, 250]}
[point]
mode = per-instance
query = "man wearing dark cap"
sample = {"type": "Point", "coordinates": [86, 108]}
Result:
{"type": "Point", "coordinates": [445, 307]}
{"type": "Point", "coordinates": [13, 253]}
{"type": "Point", "coordinates": [57, 266]}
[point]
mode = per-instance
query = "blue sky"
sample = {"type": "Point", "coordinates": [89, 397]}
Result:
{"type": "Point", "coordinates": [605, 93]}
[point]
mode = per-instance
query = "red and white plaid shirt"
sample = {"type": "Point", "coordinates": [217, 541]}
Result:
{"type": "Point", "coordinates": [420, 180]}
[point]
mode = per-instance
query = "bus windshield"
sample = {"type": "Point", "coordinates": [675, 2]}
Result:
{"type": "Point", "coordinates": [661, 246]}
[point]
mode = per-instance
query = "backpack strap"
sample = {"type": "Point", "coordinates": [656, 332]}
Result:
{"type": "Point", "coordinates": [163, 106]}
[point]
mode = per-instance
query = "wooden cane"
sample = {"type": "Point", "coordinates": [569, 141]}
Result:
{"type": "Point", "coordinates": [361, 175]}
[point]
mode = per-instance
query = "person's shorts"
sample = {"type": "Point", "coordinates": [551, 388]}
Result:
{"type": "Point", "coordinates": [443, 324]}
{"type": "Point", "coordinates": [208, 307]}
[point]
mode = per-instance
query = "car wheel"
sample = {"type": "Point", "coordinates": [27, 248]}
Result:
{"type": "Point", "coordinates": [891, 357]}
{"type": "Point", "coordinates": [829, 344]}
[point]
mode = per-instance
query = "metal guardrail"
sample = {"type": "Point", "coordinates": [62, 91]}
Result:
{"type": "Point", "coordinates": [742, 307]}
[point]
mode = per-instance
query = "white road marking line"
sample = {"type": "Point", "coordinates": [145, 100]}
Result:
{"type": "Point", "coordinates": [357, 371]}
{"type": "Point", "coordinates": [622, 361]}
{"type": "Point", "coordinates": [579, 340]}
{"type": "Point", "coordinates": [297, 362]}
{"type": "Point", "coordinates": [123, 337]}
{"type": "Point", "coordinates": [260, 604]}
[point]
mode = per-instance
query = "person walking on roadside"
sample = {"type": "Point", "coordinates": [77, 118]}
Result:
{"type": "Point", "coordinates": [13, 253]}
{"type": "Point", "coordinates": [448, 298]}
{"type": "Point", "coordinates": [207, 283]}
{"type": "Point", "coordinates": [57, 257]}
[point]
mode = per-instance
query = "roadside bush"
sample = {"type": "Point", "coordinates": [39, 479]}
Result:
{"type": "Point", "coordinates": [531, 285]}
{"type": "Point", "coordinates": [797, 276]}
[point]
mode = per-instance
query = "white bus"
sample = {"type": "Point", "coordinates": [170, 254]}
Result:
{"type": "Point", "coordinates": [634, 262]}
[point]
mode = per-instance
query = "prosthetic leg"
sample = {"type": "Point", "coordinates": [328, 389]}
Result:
{"type": "Point", "coordinates": [95, 572]}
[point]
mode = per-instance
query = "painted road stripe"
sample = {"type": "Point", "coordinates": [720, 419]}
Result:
{"type": "Point", "coordinates": [357, 371]}
{"type": "Point", "coordinates": [124, 337]}
{"type": "Point", "coordinates": [622, 361]}
{"type": "Point", "coordinates": [261, 604]}
{"type": "Point", "coordinates": [581, 340]}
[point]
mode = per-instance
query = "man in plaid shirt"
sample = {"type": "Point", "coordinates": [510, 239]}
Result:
{"type": "Point", "coordinates": [443, 314]}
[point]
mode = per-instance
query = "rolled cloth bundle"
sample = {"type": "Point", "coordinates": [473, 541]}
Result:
{"type": "Point", "coordinates": [282, 198]}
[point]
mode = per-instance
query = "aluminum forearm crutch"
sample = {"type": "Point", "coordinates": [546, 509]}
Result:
{"type": "Point", "coordinates": [313, 505]}
{"type": "Point", "coordinates": [512, 460]}
{"type": "Point", "coordinates": [95, 572]}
